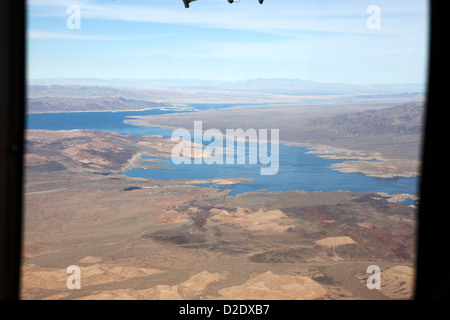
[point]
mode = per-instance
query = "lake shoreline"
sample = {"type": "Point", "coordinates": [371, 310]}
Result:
{"type": "Point", "coordinates": [339, 157]}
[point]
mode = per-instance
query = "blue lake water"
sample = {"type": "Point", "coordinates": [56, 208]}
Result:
{"type": "Point", "coordinates": [298, 170]}
{"type": "Point", "coordinates": [105, 121]}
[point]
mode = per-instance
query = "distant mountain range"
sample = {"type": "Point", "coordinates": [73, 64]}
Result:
{"type": "Point", "coordinates": [68, 95]}
{"type": "Point", "coordinates": [275, 85]}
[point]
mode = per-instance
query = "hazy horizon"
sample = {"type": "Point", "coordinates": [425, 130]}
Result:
{"type": "Point", "coordinates": [270, 84]}
{"type": "Point", "coordinates": [169, 79]}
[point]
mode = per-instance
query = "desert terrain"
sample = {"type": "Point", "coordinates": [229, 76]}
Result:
{"type": "Point", "coordinates": [136, 238]}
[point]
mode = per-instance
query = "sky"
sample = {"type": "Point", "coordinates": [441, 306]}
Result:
{"type": "Point", "coordinates": [348, 41]}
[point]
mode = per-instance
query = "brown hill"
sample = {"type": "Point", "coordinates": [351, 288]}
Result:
{"type": "Point", "coordinates": [58, 104]}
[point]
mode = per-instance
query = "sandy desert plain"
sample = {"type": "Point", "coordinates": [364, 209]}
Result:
{"type": "Point", "coordinates": [136, 238]}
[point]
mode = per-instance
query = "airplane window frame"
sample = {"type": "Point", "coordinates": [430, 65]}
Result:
{"type": "Point", "coordinates": [432, 217]}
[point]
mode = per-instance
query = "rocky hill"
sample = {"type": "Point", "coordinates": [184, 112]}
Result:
{"type": "Point", "coordinates": [58, 104]}
{"type": "Point", "coordinates": [399, 120]}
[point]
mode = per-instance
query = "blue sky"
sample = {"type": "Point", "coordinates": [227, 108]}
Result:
{"type": "Point", "coordinates": [318, 40]}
